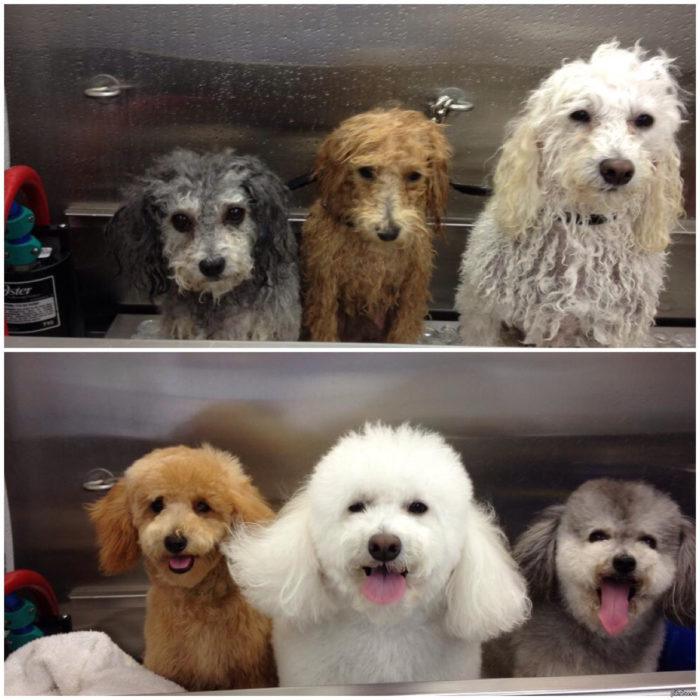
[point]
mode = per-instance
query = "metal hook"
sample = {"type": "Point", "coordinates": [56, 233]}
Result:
{"type": "Point", "coordinates": [448, 100]}
{"type": "Point", "coordinates": [99, 483]}
{"type": "Point", "coordinates": [105, 86]}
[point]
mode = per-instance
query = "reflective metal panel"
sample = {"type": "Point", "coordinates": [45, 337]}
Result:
{"type": "Point", "coordinates": [529, 426]}
{"type": "Point", "coordinates": [275, 79]}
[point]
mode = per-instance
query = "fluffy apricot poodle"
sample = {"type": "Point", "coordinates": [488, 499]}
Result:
{"type": "Point", "coordinates": [367, 248]}
{"type": "Point", "coordinates": [173, 507]}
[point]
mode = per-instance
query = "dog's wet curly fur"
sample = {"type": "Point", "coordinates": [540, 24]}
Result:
{"type": "Point", "coordinates": [209, 233]}
{"type": "Point", "coordinates": [603, 571]}
{"type": "Point", "coordinates": [383, 567]}
{"type": "Point", "coordinates": [569, 251]}
{"type": "Point", "coordinates": [366, 249]}
{"type": "Point", "coordinates": [173, 507]}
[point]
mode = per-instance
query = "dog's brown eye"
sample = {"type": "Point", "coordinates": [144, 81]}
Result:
{"type": "Point", "coordinates": [417, 508]}
{"type": "Point", "coordinates": [649, 541]}
{"type": "Point", "coordinates": [413, 176]}
{"type": "Point", "coordinates": [157, 505]}
{"type": "Point", "coordinates": [202, 507]}
{"type": "Point", "coordinates": [366, 172]}
{"type": "Point", "coordinates": [356, 507]}
{"type": "Point", "coordinates": [580, 115]}
{"type": "Point", "coordinates": [234, 215]}
{"type": "Point", "coordinates": [644, 121]}
{"type": "Point", "coordinates": [598, 536]}
{"type": "Point", "coordinates": [182, 223]}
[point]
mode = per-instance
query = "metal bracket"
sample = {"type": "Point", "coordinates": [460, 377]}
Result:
{"type": "Point", "coordinates": [99, 480]}
{"type": "Point", "coordinates": [105, 86]}
{"type": "Point", "coordinates": [448, 100]}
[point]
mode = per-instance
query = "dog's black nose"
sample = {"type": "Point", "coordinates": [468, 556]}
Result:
{"type": "Point", "coordinates": [212, 267]}
{"type": "Point", "coordinates": [384, 547]}
{"type": "Point", "coordinates": [175, 543]}
{"type": "Point", "coordinates": [624, 563]}
{"type": "Point", "coordinates": [617, 171]}
{"type": "Point", "coordinates": [390, 234]}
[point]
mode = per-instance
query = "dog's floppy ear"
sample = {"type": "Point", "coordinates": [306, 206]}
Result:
{"type": "Point", "coordinates": [535, 551]}
{"type": "Point", "coordinates": [276, 566]}
{"type": "Point", "coordinates": [116, 535]}
{"type": "Point", "coordinates": [438, 185]}
{"type": "Point", "coordinates": [133, 238]}
{"type": "Point", "coordinates": [517, 196]}
{"type": "Point", "coordinates": [679, 602]}
{"type": "Point", "coordinates": [268, 199]}
{"type": "Point", "coordinates": [663, 204]}
{"type": "Point", "coordinates": [250, 506]}
{"type": "Point", "coordinates": [329, 166]}
{"type": "Point", "coordinates": [486, 594]}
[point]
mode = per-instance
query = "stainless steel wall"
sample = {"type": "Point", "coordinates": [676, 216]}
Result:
{"type": "Point", "coordinates": [275, 79]}
{"type": "Point", "coordinates": [530, 427]}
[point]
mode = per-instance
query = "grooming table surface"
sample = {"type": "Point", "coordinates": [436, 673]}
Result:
{"type": "Point", "coordinates": [120, 335]}
{"type": "Point", "coordinates": [667, 683]}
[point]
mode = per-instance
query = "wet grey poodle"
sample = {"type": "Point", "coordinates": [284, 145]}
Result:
{"type": "Point", "coordinates": [208, 234]}
{"type": "Point", "coordinates": [603, 571]}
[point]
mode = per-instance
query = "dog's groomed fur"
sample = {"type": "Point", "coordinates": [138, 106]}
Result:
{"type": "Point", "coordinates": [603, 570]}
{"type": "Point", "coordinates": [174, 506]}
{"type": "Point", "coordinates": [569, 251]}
{"type": "Point", "coordinates": [382, 568]}
{"type": "Point", "coordinates": [210, 233]}
{"type": "Point", "coordinates": [366, 250]}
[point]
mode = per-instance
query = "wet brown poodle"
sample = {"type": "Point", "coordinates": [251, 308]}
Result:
{"type": "Point", "coordinates": [367, 248]}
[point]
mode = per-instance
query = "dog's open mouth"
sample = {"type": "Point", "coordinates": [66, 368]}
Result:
{"type": "Point", "coordinates": [615, 596]}
{"type": "Point", "coordinates": [181, 564]}
{"type": "Point", "coordinates": [383, 585]}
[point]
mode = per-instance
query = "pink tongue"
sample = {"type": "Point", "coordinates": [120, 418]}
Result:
{"type": "Point", "coordinates": [177, 563]}
{"type": "Point", "coordinates": [383, 586]}
{"type": "Point", "coordinates": [614, 601]}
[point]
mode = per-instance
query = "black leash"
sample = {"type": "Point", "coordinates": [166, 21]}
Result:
{"type": "Point", "coordinates": [476, 190]}
{"type": "Point", "coordinates": [300, 181]}
{"type": "Point", "coordinates": [307, 178]}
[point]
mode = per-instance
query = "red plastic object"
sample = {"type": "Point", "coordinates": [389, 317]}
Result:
{"type": "Point", "coordinates": [26, 578]}
{"type": "Point", "coordinates": [22, 177]}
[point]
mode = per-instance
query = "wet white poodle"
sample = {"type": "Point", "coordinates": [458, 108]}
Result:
{"type": "Point", "coordinates": [382, 568]}
{"type": "Point", "coordinates": [570, 250]}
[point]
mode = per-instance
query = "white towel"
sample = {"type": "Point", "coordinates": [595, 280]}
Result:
{"type": "Point", "coordinates": [79, 663]}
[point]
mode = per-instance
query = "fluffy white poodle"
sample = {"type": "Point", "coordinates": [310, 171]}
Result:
{"type": "Point", "coordinates": [382, 568]}
{"type": "Point", "coordinates": [570, 249]}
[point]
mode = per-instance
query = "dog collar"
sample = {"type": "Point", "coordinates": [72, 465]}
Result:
{"type": "Point", "coordinates": [592, 220]}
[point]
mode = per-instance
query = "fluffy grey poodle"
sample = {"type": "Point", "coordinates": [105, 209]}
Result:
{"type": "Point", "coordinates": [603, 571]}
{"type": "Point", "coordinates": [208, 234]}
{"type": "Point", "coordinates": [570, 249]}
